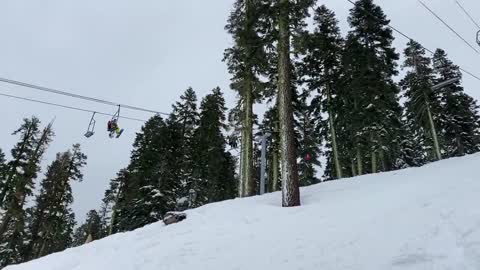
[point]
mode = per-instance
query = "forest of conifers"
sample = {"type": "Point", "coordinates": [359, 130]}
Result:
{"type": "Point", "coordinates": [335, 108]}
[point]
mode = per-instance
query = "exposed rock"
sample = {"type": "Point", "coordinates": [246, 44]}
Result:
{"type": "Point", "coordinates": [174, 217]}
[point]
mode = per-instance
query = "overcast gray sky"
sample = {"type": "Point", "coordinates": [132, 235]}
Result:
{"type": "Point", "coordinates": [146, 53]}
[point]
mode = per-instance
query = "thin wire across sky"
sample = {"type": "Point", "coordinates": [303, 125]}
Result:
{"type": "Point", "coordinates": [410, 38]}
{"type": "Point", "coordinates": [65, 93]}
{"type": "Point", "coordinates": [66, 107]}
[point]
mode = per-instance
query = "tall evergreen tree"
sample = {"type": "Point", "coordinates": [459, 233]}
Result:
{"type": "Point", "coordinates": [459, 119]}
{"type": "Point", "coordinates": [21, 154]}
{"type": "Point", "coordinates": [154, 175]}
{"type": "Point", "coordinates": [308, 141]}
{"type": "Point", "coordinates": [246, 62]}
{"type": "Point", "coordinates": [289, 20]}
{"type": "Point", "coordinates": [423, 104]}
{"type": "Point", "coordinates": [186, 115]}
{"type": "Point", "coordinates": [374, 97]}
{"type": "Point", "coordinates": [18, 185]}
{"type": "Point", "coordinates": [52, 219]}
{"type": "Point", "coordinates": [214, 166]}
{"type": "Point", "coordinates": [321, 70]}
{"type": "Point", "coordinates": [114, 202]}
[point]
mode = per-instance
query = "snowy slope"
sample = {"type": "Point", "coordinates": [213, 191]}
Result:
{"type": "Point", "coordinates": [422, 218]}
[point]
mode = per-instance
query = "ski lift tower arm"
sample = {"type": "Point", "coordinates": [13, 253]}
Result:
{"type": "Point", "coordinates": [445, 83]}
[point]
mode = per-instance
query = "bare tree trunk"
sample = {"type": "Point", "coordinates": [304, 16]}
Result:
{"type": "Point", "coordinates": [374, 162]}
{"type": "Point", "coordinates": [333, 134]}
{"type": "Point", "coordinates": [354, 168]}
{"type": "Point", "coordinates": [373, 156]}
{"type": "Point", "coordinates": [275, 162]}
{"type": "Point", "coordinates": [246, 176]}
{"type": "Point", "coordinates": [359, 160]}
{"type": "Point", "coordinates": [274, 168]}
{"type": "Point", "coordinates": [289, 174]}
{"type": "Point", "coordinates": [241, 184]}
{"type": "Point", "coordinates": [357, 147]}
{"type": "Point", "coordinates": [433, 130]}
{"type": "Point", "coordinates": [381, 156]}
{"type": "Point", "coordinates": [248, 161]}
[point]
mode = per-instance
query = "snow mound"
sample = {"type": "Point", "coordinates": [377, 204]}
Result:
{"type": "Point", "coordinates": [420, 218]}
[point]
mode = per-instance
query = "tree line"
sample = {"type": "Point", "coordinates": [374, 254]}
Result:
{"type": "Point", "coordinates": [177, 163]}
{"type": "Point", "coordinates": [327, 96]}
{"type": "Point", "coordinates": [335, 96]}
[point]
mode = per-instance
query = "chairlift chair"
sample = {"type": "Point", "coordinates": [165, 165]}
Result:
{"type": "Point", "coordinates": [115, 118]}
{"type": "Point", "coordinates": [478, 38]}
{"type": "Point", "coordinates": [91, 127]}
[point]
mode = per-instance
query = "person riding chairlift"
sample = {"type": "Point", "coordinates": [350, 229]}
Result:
{"type": "Point", "coordinates": [113, 128]}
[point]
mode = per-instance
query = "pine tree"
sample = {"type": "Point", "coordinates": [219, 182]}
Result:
{"type": "Point", "coordinates": [185, 113]}
{"type": "Point", "coordinates": [370, 64]}
{"type": "Point", "coordinates": [52, 219]}
{"type": "Point", "coordinates": [92, 229]}
{"type": "Point", "coordinates": [412, 151]}
{"type": "Point", "coordinates": [321, 70]}
{"type": "Point", "coordinates": [214, 166]}
{"type": "Point", "coordinates": [246, 62]}
{"type": "Point", "coordinates": [153, 179]}
{"type": "Point", "coordinates": [18, 185]}
{"type": "Point", "coordinates": [289, 16]}
{"type": "Point", "coordinates": [21, 153]}
{"type": "Point", "coordinates": [308, 141]}
{"type": "Point", "coordinates": [114, 201]}
{"type": "Point", "coordinates": [459, 120]}
{"type": "Point", "coordinates": [423, 104]}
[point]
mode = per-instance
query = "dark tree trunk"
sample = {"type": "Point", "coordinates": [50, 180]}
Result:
{"type": "Point", "coordinates": [289, 172]}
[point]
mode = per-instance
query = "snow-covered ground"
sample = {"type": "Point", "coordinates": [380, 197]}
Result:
{"type": "Point", "coordinates": [421, 218]}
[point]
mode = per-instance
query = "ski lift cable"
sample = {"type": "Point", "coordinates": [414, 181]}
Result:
{"type": "Point", "coordinates": [448, 26]}
{"type": "Point", "coordinates": [468, 14]}
{"type": "Point", "coordinates": [67, 107]}
{"type": "Point", "coordinates": [64, 93]}
{"type": "Point", "coordinates": [409, 38]}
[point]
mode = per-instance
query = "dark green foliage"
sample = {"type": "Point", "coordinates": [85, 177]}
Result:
{"type": "Point", "coordinates": [52, 219]}
{"type": "Point", "coordinates": [176, 164]}
{"type": "Point", "coordinates": [247, 58]}
{"type": "Point", "coordinates": [114, 202]}
{"type": "Point", "coordinates": [186, 115]}
{"type": "Point", "coordinates": [459, 119]}
{"type": "Point", "coordinates": [370, 96]}
{"type": "Point", "coordinates": [214, 166]}
{"type": "Point", "coordinates": [320, 70]}
{"type": "Point", "coordinates": [421, 100]}
{"type": "Point", "coordinates": [92, 229]}
{"type": "Point", "coordinates": [153, 175]}
{"type": "Point", "coordinates": [17, 186]}
{"type": "Point", "coordinates": [247, 61]}
{"type": "Point", "coordinates": [309, 142]}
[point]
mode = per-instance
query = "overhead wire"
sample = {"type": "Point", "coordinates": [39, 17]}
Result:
{"type": "Point", "coordinates": [67, 107]}
{"type": "Point", "coordinates": [448, 26]}
{"type": "Point", "coordinates": [410, 38]}
{"type": "Point", "coordinates": [468, 14]}
{"type": "Point", "coordinates": [64, 93]}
